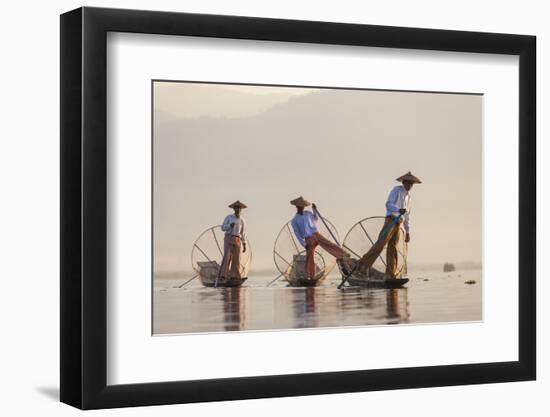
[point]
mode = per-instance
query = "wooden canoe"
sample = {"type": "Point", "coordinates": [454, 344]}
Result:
{"type": "Point", "coordinates": [371, 278]}
{"type": "Point", "coordinates": [296, 275]}
{"type": "Point", "coordinates": [304, 282]}
{"type": "Point", "coordinates": [208, 273]}
{"type": "Point", "coordinates": [223, 282]}
{"type": "Point", "coordinates": [386, 282]}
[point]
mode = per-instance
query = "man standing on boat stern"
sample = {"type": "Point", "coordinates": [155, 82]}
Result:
{"type": "Point", "coordinates": [233, 226]}
{"type": "Point", "coordinates": [398, 204]}
{"type": "Point", "coordinates": [304, 225]}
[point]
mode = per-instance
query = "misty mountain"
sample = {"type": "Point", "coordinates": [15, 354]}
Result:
{"type": "Point", "coordinates": [340, 148]}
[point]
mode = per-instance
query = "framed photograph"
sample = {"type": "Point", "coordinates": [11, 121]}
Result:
{"type": "Point", "coordinates": [259, 208]}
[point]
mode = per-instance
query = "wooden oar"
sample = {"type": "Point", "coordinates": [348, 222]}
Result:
{"type": "Point", "coordinates": [405, 258]}
{"type": "Point", "coordinates": [326, 225]}
{"type": "Point", "coordinates": [382, 236]}
{"type": "Point", "coordinates": [335, 240]}
{"type": "Point", "coordinates": [186, 282]}
{"type": "Point", "coordinates": [279, 276]}
{"type": "Point", "coordinates": [371, 241]}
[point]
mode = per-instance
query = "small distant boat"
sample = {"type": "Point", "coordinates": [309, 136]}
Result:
{"type": "Point", "coordinates": [448, 267]}
{"type": "Point", "coordinates": [208, 273]}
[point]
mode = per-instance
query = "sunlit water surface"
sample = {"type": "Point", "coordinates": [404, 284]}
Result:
{"type": "Point", "coordinates": [429, 297]}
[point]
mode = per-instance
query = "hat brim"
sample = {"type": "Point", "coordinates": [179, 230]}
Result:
{"type": "Point", "coordinates": [300, 203]}
{"type": "Point", "coordinates": [409, 178]}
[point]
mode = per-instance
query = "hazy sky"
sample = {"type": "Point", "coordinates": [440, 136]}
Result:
{"type": "Point", "coordinates": [222, 101]}
{"type": "Point", "coordinates": [342, 149]}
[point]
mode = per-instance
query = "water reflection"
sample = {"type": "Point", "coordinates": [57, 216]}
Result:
{"type": "Point", "coordinates": [306, 307]}
{"type": "Point", "coordinates": [397, 305]}
{"type": "Point", "coordinates": [303, 307]}
{"type": "Point", "coordinates": [375, 306]}
{"type": "Point", "coordinates": [199, 309]}
{"type": "Point", "coordinates": [234, 308]}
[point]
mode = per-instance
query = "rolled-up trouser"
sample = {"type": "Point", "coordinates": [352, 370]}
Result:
{"type": "Point", "coordinates": [386, 237]}
{"type": "Point", "coordinates": [311, 243]}
{"type": "Point", "coordinates": [231, 267]}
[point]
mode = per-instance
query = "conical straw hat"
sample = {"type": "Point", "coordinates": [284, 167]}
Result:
{"type": "Point", "coordinates": [409, 177]}
{"type": "Point", "coordinates": [237, 204]}
{"type": "Point", "coordinates": [300, 202]}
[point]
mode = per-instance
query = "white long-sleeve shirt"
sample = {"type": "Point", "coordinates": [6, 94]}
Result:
{"type": "Point", "coordinates": [399, 198]}
{"type": "Point", "coordinates": [304, 225]}
{"type": "Point", "coordinates": [238, 227]}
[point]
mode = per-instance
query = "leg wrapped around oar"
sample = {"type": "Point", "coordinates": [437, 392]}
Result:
{"type": "Point", "coordinates": [315, 240]}
{"type": "Point", "coordinates": [389, 233]}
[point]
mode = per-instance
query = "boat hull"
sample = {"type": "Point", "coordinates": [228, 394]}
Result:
{"type": "Point", "coordinates": [376, 282]}
{"type": "Point", "coordinates": [223, 282]}
{"type": "Point", "coordinates": [371, 278]}
{"type": "Point", "coordinates": [304, 282]}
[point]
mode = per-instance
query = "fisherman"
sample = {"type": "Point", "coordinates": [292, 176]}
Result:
{"type": "Point", "coordinates": [397, 206]}
{"type": "Point", "coordinates": [304, 225]}
{"type": "Point", "coordinates": [233, 226]}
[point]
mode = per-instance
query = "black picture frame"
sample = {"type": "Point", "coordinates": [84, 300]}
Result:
{"type": "Point", "coordinates": [84, 207]}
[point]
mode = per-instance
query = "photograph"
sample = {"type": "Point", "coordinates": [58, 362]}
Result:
{"type": "Point", "coordinates": [347, 200]}
{"type": "Point", "coordinates": [280, 207]}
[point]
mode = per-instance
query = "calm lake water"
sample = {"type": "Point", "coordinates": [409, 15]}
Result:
{"type": "Point", "coordinates": [429, 297]}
